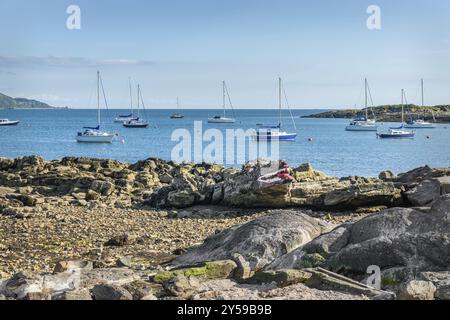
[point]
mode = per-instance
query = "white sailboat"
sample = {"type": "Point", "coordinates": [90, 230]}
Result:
{"type": "Point", "coordinates": [223, 118]}
{"type": "Point", "coordinates": [178, 114]}
{"type": "Point", "coordinates": [400, 132]}
{"type": "Point", "coordinates": [420, 123]}
{"type": "Point", "coordinates": [94, 134]}
{"type": "Point", "coordinates": [137, 122]}
{"type": "Point", "coordinates": [267, 133]}
{"type": "Point", "coordinates": [363, 123]}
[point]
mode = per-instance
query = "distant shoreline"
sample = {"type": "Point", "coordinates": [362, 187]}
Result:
{"type": "Point", "coordinates": [440, 114]}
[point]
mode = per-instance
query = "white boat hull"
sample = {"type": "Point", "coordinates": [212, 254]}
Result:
{"type": "Point", "coordinates": [96, 139]}
{"type": "Point", "coordinates": [9, 123]}
{"type": "Point", "coordinates": [420, 126]}
{"type": "Point", "coordinates": [122, 120]}
{"type": "Point", "coordinates": [221, 120]}
{"type": "Point", "coordinates": [361, 128]}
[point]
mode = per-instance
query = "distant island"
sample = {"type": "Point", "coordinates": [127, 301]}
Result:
{"type": "Point", "coordinates": [7, 102]}
{"type": "Point", "coordinates": [391, 113]}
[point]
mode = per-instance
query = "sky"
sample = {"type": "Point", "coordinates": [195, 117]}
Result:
{"type": "Point", "coordinates": [321, 48]}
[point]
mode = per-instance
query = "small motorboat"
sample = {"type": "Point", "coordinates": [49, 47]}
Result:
{"type": "Point", "coordinates": [397, 134]}
{"type": "Point", "coordinates": [135, 123]}
{"type": "Point", "coordinates": [7, 122]}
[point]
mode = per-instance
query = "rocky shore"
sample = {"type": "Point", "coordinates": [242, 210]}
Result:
{"type": "Point", "coordinates": [391, 113]}
{"type": "Point", "coordinates": [82, 228]}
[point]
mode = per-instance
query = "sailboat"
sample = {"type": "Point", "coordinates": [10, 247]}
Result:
{"type": "Point", "coordinates": [223, 118]}
{"type": "Point", "coordinates": [178, 114]}
{"type": "Point", "coordinates": [94, 134]}
{"type": "Point", "coordinates": [127, 117]}
{"type": "Point", "coordinates": [420, 123]}
{"type": "Point", "coordinates": [400, 132]}
{"type": "Point", "coordinates": [273, 132]}
{"type": "Point", "coordinates": [137, 122]}
{"type": "Point", "coordinates": [363, 123]}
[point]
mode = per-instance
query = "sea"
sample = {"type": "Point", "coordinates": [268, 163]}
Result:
{"type": "Point", "coordinates": [322, 142]}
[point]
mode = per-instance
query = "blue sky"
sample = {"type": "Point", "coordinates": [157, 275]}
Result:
{"type": "Point", "coordinates": [322, 49]}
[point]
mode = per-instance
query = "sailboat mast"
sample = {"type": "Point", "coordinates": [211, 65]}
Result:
{"type": "Point", "coordinates": [223, 103]}
{"type": "Point", "coordinates": [421, 85]}
{"type": "Point", "coordinates": [138, 102]}
{"type": "Point", "coordinates": [131, 96]}
{"type": "Point", "coordinates": [365, 97]}
{"type": "Point", "coordinates": [279, 100]}
{"type": "Point", "coordinates": [403, 94]}
{"type": "Point", "coordinates": [98, 98]}
{"type": "Point", "coordinates": [178, 105]}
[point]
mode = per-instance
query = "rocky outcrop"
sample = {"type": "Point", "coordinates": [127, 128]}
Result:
{"type": "Point", "coordinates": [260, 241]}
{"type": "Point", "coordinates": [397, 237]}
{"type": "Point", "coordinates": [31, 181]}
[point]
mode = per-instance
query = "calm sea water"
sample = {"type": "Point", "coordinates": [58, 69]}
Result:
{"type": "Point", "coordinates": [51, 134]}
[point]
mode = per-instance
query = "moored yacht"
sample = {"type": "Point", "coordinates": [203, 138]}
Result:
{"type": "Point", "coordinates": [137, 122]}
{"type": "Point", "coordinates": [421, 123]}
{"type": "Point", "coordinates": [223, 118]}
{"type": "Point", "coordinates": [363, 123]}
{"type": "Point", "coordinates": [273, 132]}
{"type": "Point", "coordinates": [94, 134]}
{"type": "Point", "coordinates": [400, 132]}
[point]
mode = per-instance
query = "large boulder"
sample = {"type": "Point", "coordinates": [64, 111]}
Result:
{"type": "Point", "coordinates": [397, 237]}
{"type": "Point", "coordinates": [259, 241]}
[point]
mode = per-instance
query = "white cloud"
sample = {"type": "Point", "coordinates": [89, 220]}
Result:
{"type": "Point", "coordinates": [53, 61]}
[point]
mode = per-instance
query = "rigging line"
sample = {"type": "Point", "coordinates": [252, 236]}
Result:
{"type": "Point", "coordinates": [229, 100]}
{"type": "Point", "coordinates": [104, 95]}
{"type": "Point", "coordinates": [289, 108]}
{"type": "Point", "coordinates": [371, 100]}
{"type": "Point", "coordinates": [143, 105]}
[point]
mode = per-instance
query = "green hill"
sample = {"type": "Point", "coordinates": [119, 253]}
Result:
{"type": "Point", "coordinates": [7, 102]}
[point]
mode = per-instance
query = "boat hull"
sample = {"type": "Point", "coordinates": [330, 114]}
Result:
{"type": "Point", "coordinates": [221, 120]}
{"type": "Point", "coordinates": [139, 126]}
{"type": "Point", "coordinates": [286, 137]}
{"type": "Point", "coordinates": [95, 139]}
{"type": "Point", "coordinates": [122, 120]}
{"type": "Point", "coordinates": [361, 128]}
{"type": "Point", "coordinates": [418, 126]}
{"type": "Point", "coordinates": [396, 136]}
{"type": "Point", "coordinates": [10, 123]}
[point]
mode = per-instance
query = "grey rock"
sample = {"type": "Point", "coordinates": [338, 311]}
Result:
{"type": "Point", "coordinates": [110, 292]}
{"type": "Point", "coordinates": [259, 241]}
{"type": "Point", "coordinates": [417, 290]}
{"type": "Point", "coordinates": [181, 286]}
{"type": "Point", "coordinates": [117, 241]}
{"type": "Point", "coordinates": [425, 193]}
